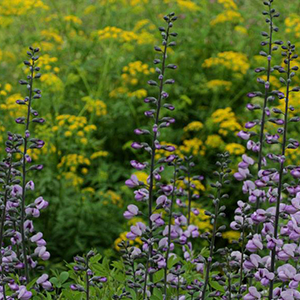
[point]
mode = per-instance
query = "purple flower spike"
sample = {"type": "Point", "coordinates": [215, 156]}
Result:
{"type": "Point", "coordinates": [132, 211]}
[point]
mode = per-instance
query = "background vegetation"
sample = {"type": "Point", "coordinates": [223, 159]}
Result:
{"type": "Point", "coordinates": [96, 59]}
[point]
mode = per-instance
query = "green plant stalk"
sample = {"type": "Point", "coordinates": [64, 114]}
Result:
{"type": "Point", "coordinates": [3, 221]}
{"type": "Point", "coordinates": [24, 252]}
{"type": "Point", "coordinates": [87, 280]}
{"type": "Point", "coordinates": [169, 231]}
{"type": "Point", "coordinates": [189, 194]}
{"type": "Point", "coordinates": [212, 242]}
{"type": "Point", "coordinates": [152, 163]}
{"type": "Point", "coordinates": [263, 120]}
{"type": "Point", "coordinates": [273, 255]}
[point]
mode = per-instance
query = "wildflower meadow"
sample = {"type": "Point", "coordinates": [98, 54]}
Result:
{"type": "Point", "coordinates": [149, 149]}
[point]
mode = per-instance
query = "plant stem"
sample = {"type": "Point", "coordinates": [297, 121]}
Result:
{"type": "Point", "coordinates": [273, 256]}
{"type": "Point", "coordinates": [169, 230]}
{"type": "Point", "coordinates": [152, 164]}
{"type": "Point", "coordinates": [262, 126]}
{"type": "Point", "coordinates": [24, 252]}
{"type": "Point", "coordinates": [242, 256]}
{"type": "Point", "coordinates": [87, 280]}
{"type": "Point", "coordinates": [3, 221]}
{"type": "Point", "coordinates": [212, 242]}
{"type": "Point", "coordinates": [189, 194]}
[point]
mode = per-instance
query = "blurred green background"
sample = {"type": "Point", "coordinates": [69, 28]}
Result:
{"type": "Point", "coordinates": [96, 58]}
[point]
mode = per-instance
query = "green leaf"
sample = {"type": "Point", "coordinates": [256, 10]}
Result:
{"type": "Point", "coordinates": [158, 276]}
{"type": "Point", "coordinates": [63, 277]}
{"type": "Point", "coordinates": [216, 286]}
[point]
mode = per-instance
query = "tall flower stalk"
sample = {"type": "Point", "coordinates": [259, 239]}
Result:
{"type": "Point", "coordinates": [288, 53]}
{"type": "Point", "coordinates": [219, 212]}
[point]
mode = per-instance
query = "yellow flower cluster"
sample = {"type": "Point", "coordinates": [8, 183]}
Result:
{"type": "Point", "coordinates": [231, 235]}
{"type": "Point", "coordinates": [293, 25]}
{"type": "Point", "coordinates": [227, 16]}
{"type": "Point", "coordinates": [111, 32]}
{"type": "Point", "coordinates": [133, 69]}
{"type": "Point", "coordinates": [73, 161]}
{"type": "Point", "coordinates": [193, 126]}
{"type": "Point", "coordinates": [235, 61]}
{"type": "Point", "coordinates": [2, 130]}
{"type": "Point", "coordinates": [124, 2]}
{"type": "Point", "coordinates": [97, 106]}
{"type": "Point", "coordinates": [74, 126]}
{"type": "Point", "coordinates": [218, 83]}
{"type": "Point", "coordinates": [52, 35]}
{"type": "Point", "coordinates": [11, 107]}
{"type": "Point", "coordinates": [73, 19]}
{"type": "Point", "coordinates": [214, 141]}
{"type": "Point", "coordinates": [230, 13]}
{"type": "Point", "coordinates": [99, 154]}
{"type": "Point", "coordinates": [20, 7]}
{"type": "Point", "coordinates": [185, 5]}
{"type": "Point", "coordinates": [53, 82]}
{"type": "Point", "coordinates": [193, 146]}
{"type": "Point", "coordinates": [235, 149]}
{"type": "Point", "coordinates": [141, 176]}
{"type": "Point", "coordinates": [228, 4]}
{"type": "Point", "coordinates": [130, 75]}
{"type": "Point", "coordinates": [111, 197]}
{"type": "Point", "coordinates": [227, 120]}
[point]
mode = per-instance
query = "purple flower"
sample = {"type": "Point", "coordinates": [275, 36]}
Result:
{"type": "Point", "coordinates": [244, 135]}
{"type": "Point", "coordinates": [252, 262]}
{"type": "Point", "coordinates": [43, 281]}
{"type": "Point", "coordinates": [264, 276]}
{"type": "Point", "coordinates": [132, 182]}
{"type": "Point", "coordinates": [141, 195]}
{"type": "Point", "coordinates": [255, 243]}
{"type": "Point", "coordinates": [288, 273]}
{"type": "Point", "coordinates": [137, 165]}
{"type": "Point", "coordinates": [157, 219]}
{"type": "Point", "coordinates": [132, 211]}
{"type": "Point", "coordinates": [41, 203]}
{"type": "Point", "coordinates": [30, 185]}
{"type": "Point", "coordinates": [23, 294]}
{"type": "Point", "coordinates": [136, 231]}
{"type": "Point", "coordinates": [253, 294]}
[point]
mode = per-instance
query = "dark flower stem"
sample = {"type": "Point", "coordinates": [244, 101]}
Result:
{"type": "Point", "coordinates": [87, 280]}
{"type": "Point", "coordinates": [189, 194]}
{"type": "Point", "coordinates": [242, 256]}
{"type": "Point", "coordinates": [152, 164]}
{"type": "Point", "coordinates": [212, 242]}
{"type": "Point", "coordinates": [169, 230]}
{"type": "Point", "coordinates": [263, 120]}
{"type": "Point", "coordinates": [3, 221]}
{"type": "Point", "coordinates": [273, 255]}
{"type": "Point", "coordinates": [24, 252]}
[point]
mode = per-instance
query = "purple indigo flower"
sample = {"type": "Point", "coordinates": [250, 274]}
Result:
{"type": "Point", "coordinates": [255, 243]}
{"type": "Point", "coordinates": [132, 211]}
{"type": "Point", "coordinates": [132, 182]}
{"type": "Point", "coordinates": [244, 135]}
{"type": "Point", "coordinates": [253, 294]}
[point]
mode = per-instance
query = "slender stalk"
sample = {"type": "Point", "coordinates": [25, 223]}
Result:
{"type": "Point", "coordinates": [152, 163]}
{"type": "Point", "coordinates": [273, 255]}
{"type": "Point", "coordinates": [87, 280]}
{"type": "Point", "coordinates": [212, 243]}
{"type": "Point", "coordinates": [189, 194]}
{"type": "Point", "coordinates": [242, 257]}
{"type": "Point", "coordinates": [3, 221]}
{"type": "Point", "coordinates": [169, 230]}
{"type": "Point", "coordinates": [263, 120]}
{"type": "Point", "coordinates": [24, 252]}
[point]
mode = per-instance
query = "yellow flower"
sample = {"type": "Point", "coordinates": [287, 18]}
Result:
{"type": "Point", "coordinates": [234, 148]}
{"type": "Point", "coordinates": [231, 235]}
{"type": "Point", "coordinates": [217, 84]}
{"type": "Point", "coordinates": [214, 141]}
{"type": "Point", "coordinates": [193, 126]}
{"type": "Point", "coordinates": [73, 19]}
{"type": "Point", "coordinates": [235, 61]}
